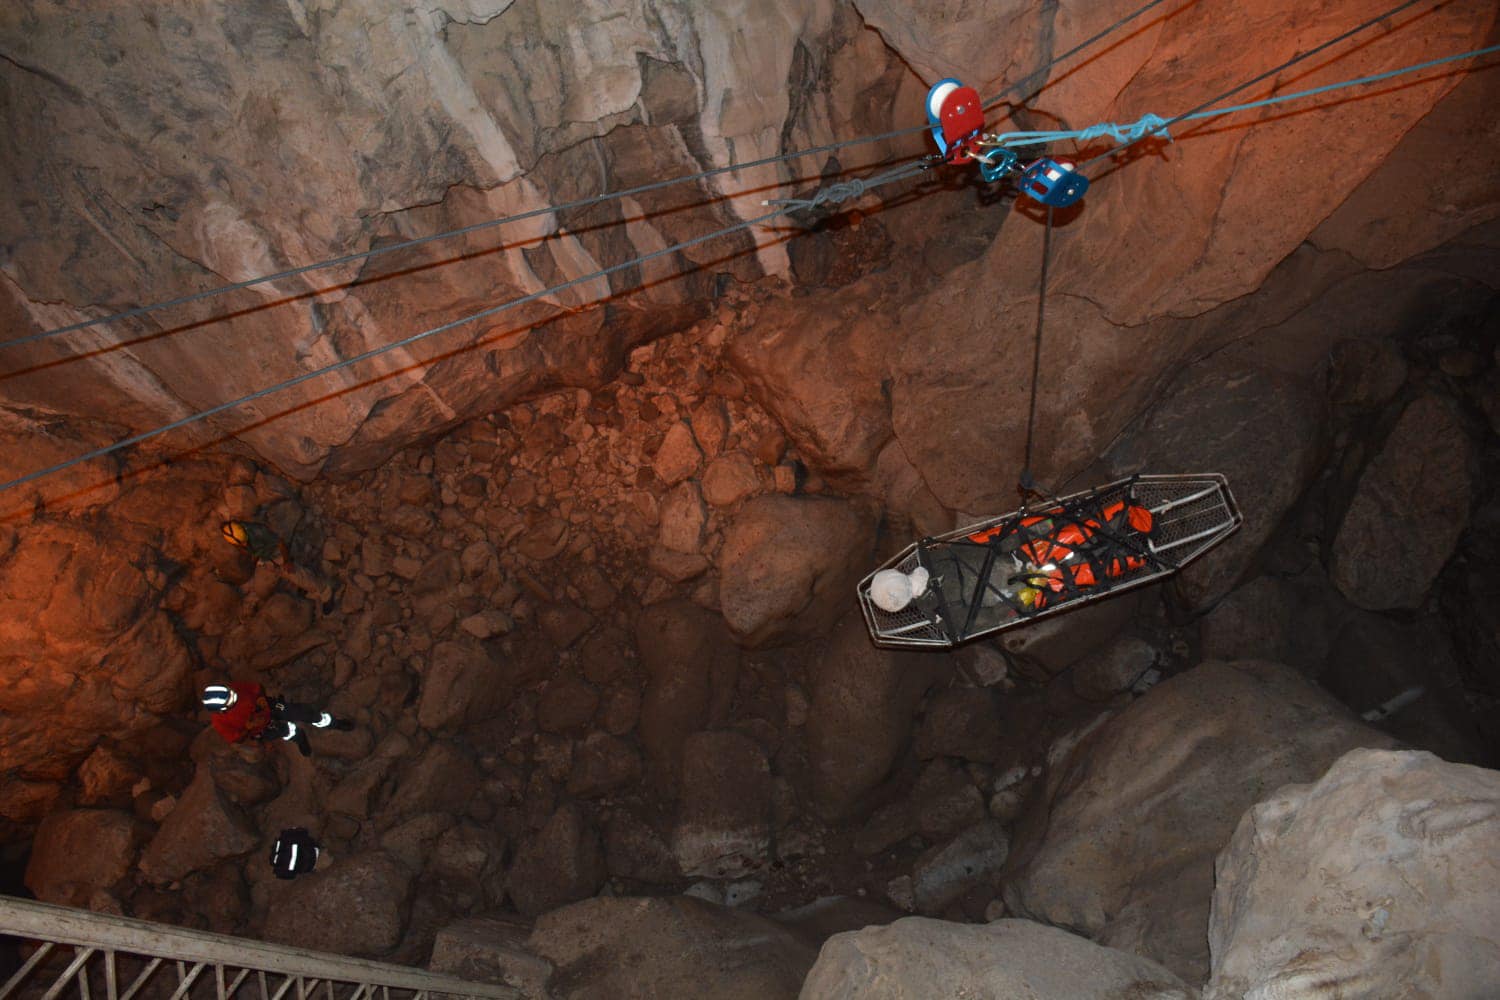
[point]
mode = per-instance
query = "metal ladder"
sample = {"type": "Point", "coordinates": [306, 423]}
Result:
{"type": "Point", "coordinates": [99, 941]}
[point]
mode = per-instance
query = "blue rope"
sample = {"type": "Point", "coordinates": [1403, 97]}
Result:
{"type": "Point", "coordinates": [1155, 125]}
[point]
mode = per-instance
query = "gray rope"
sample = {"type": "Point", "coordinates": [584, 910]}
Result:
{"type": "Point", "coordinates": [1164, 126]}
{"type": "Point", "coordinates": [194, 418]}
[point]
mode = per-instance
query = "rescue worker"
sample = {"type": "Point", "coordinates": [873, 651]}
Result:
{"type": "Point", "coordinates": [243, 711]}
{"type": "Point", "coordinates": [265, 547]}
{"type": "Point", "coordinates": [1072, 556]}
{"type": "Point", "coordinates": [296, 853]}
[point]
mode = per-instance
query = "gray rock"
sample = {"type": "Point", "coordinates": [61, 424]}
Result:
{"type": "Point", "coordinates": [1378, 879]}
{"type": "Point", "coordinates": [1115, 668]}
{"type": "Point", "coordinates": [789, 566]}
{"type": "Point", "coordinates": [687, 653]}
{"type": "Point", "coordinates": [491, 950]}
{"type": "Point", "coordinates": [860, 717]}
{"type": "Point", "coordinates": [1409, 510]}
{"type": "Point", "coordinates": [724, 827]}
{"type": "Point", "coordinates": [559, 864]}
{"type": "Point", "coordinates": [1001, 960]}
{"type": "Point", "coordinates": [673, 946]}
{"type": "Point", "coordinates": [945, 872]}
{"type": "Point", "coordinates": [357, 907]}
{"type": "Point", "coordinates": [1142, 805]}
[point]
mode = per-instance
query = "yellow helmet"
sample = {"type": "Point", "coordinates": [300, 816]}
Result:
{"type": "Point", "coordinates": [235, 534]}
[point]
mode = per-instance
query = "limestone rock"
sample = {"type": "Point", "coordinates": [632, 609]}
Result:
{"type": "Point", "coordinates": [559, 864]}
{"type": "Point", "coordinates": [673, 946]}
{"type": "Point", "coordinates": [687, 653]}
{"type": "Point", "coordinates": [462, 683]}
{"type": "Point", "coordinates": [678, 458]}
{"type": "Point", "coordinates": [860, 717]}
{"type": "Point", "coordinates": [357, 907]}
{"type": "Point", "coordinates": [80, 852]}
{"type": "Point", "coordinates": [725, 823]}
{"type": "Point", "coordinates": [1102, 675]}
{"type": "Point", "coordinates": [789, 566]}
{"type": "Point", "coordinates": [1001, 960]}
{"type": "Point", "coordinates": [490, 950]}
{"type": "Point", "coordinates": [1409, 511]}
{"type": "Point", "coordinates": [603, 764]}
{"type": "Point", "coordinates": [682, 520]}
{"type": "Point", "coordinates": [202, 830]}
{"type": "Point", "coordinates": [945, 872]}
{"type": "Point", "coordinates": [1380, 878]}
{"type": "Point", "coordinates": [729, 479]}
{"type": "Point", "coordinates": [1263, 431]}
{"type": "Point", "coordinates": [1146, 802]}
{"type": "Point", "coordinates": [960, 722]}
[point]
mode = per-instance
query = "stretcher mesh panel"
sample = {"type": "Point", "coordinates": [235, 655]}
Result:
{"type": "Point", "coordinates": [971, 592]}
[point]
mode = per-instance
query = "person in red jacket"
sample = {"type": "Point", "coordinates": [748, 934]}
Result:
{"type": "Point", "coordinates": [243, 711]}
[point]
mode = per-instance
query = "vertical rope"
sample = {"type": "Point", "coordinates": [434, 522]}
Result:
{"type": "Point", "coordinates": [1028, 483]}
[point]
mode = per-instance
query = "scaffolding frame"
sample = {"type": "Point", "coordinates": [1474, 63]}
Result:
{"type": "Point", "coordinates": [273, 972]}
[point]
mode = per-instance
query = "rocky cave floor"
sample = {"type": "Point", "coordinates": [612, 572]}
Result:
{"type": "Point", "coordinates": [524, 623]}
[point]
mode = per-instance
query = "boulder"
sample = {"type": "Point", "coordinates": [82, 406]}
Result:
{"type": "Point", "coordinates": [567, 706]}
{"type": "Point", "coordinates": [1104, 674]}
{"type": "Point", "coordinates": [357, 907]}
{"type": "Point", "coordinates": [1137, 812]}
{"type": "Point", "coordinates": [944, 800]}
{"type": "Point", "coordinates": [687, 655]}
{"type": "Point", "coordinates": [860, 715]}
{"type": "Point", "coordinates": [960, 722]}
{"type": "Point", "coordinates": [682, 520]}
{"type": "Point", "coordinates": [1381, 878]}
{"type": "Point", "coordinates": [603, 764]}
{"type": "Point", "coordinates": [789, 566]}
{"type": "Point", "coordinates": [946, 871]}
{"type": "Point", "coordinates": [678, 458]}
{"type": "Point", "coordinates": [442, 779]}
{"type": "Point", "coordinates": [729, 479]}
{"type": "Point", "coordinates": [462, 683]}
{"type": "Point", "coordinates": [724, 827]}
{"type": "Point", "coordinates": [1053, 644]}
{"type": "Point", "coordinates": [1251, 623]}
{"type": "Point", "coordinates": [1409, 510]}
{"type": "Point", "coordinates": [634, 850]}
{"type": "Point", "coordinates": [1262, 430]}
{"type": "Point", "coordinates": [1001, 960]}
{"type": "Point", "coordinates": [203, 829]}
{"type": "Point", "coordinates": [80, 852]}
{"type": "Point", "coordinates": [490, 950]}
{"type": "Point", "coordinates": [673, 946]}
{"type": "Point", "coordinates": [560, 863]}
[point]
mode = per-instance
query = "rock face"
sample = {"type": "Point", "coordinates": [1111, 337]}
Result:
{"type": "Point", "coordinates": [454, 144]}
{"type": "Point", "coordinates": [1409, 512]}
{"type": "Point", "coordinates": [1006, 959]}
{"type": "Point", "coordinates": [1146, 802]}
{"type": "Point", "coordinates": [560, 863]}
{"type": "Point", "coordinates": [1380, 878]}
{"type": "Point", "coordinates": [725, 826]}
{"type": "Point", "coordinates": [688, 655]}
{"type": "Point", "coordinates": [674, 946]}
{"type": "Point", "coordinates": [789, 567]}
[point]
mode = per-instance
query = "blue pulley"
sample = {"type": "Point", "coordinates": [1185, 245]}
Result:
{"type": "Point", "coordinates": [997, 165]}
{"type": "Point", "coordinates": [1053, 182]}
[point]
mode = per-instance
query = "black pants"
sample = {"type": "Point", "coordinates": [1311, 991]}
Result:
{"type": "Point", "coordinates": [302, 715]}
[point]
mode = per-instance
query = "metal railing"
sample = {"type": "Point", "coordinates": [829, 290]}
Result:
{"type": "Point", "coordinates": [117, 958]}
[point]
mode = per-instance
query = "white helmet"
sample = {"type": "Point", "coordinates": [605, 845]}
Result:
{"type": "Point", "coordinates": [892, 590]}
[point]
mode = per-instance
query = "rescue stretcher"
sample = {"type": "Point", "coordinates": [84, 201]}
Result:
{"type": "Point", "coordinates": [984, 578]}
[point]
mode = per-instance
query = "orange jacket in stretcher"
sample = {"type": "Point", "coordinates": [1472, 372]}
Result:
{"type": "Point", "coordinates": [1057, 559]}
